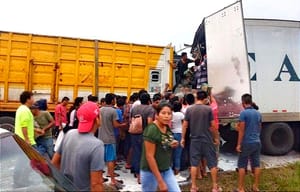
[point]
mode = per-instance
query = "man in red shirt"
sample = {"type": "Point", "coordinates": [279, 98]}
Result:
{"type": "Point", "coordinates": [61, 116]}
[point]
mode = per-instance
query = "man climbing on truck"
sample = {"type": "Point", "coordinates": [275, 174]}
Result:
{"type": "Point", "coordinates": [182, 66]}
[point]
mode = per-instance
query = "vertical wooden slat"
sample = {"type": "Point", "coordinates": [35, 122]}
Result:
{"type": "Point", "coordinates": [6, 69]}
{"type": "Point", "coordinates": [96, 74]}
{"type": "Point", "coordinates": [77, 68]}
{"type": "Point", "coordinates": [58, 70]}
{"type": "Point", "coordinates": [147, 63]}
{"type": "Point", "coordinates": [29, 61]}
{"type": "Point", "coordinates": [113, 67]}
{"type": "Point", "coordinates": [130, 71]}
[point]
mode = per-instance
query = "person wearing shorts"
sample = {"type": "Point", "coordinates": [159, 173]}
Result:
{"type": "Point", "coordinates": [110, 152]}
{"type": "Point", "coordinates": [249, 145]}
{"type": "Point", "coordinates": [204, 136]}
{"type": "Point", "coordinates": [109, 120]}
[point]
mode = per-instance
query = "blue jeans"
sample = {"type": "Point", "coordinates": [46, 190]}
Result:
{"type": "Point", "coordinates": [177, 152]}
{"type": "Point", "coordinates": [136, 143]}
{"type": "Point", "coordinates": [45, 146]}
{"type": "Point", "coordinates": [127, 144]}
{"type": "Point", "coordinates": [149, 182]}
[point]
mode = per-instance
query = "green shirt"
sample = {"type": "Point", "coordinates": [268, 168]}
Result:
{"type": "Point", "coordinates": [43, 121]}
{"type": "Point", "coordinates": [163, 151]}
{"type": "Point", "coordinates": [24, 118]}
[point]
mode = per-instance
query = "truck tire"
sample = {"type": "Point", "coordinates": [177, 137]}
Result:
{"type": "Point", "coordinates": [7, 123]}
{"type": "Point", "coordinates": [277, 139]}
{"type": "Point", "coordinates": [228, 134]}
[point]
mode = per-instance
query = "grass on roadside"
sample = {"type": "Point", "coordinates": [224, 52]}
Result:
{"type": "Point", "coordinates": [285, 178]}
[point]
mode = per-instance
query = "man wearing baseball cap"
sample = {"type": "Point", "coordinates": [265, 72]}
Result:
{"type": "Point", "coordinates": [81, 155]}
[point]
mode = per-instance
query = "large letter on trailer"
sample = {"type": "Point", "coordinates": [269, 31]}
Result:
{"type": "Point", "coordinates": [290, 69]}
{"type": "Point", "coordinates": [227, 59]}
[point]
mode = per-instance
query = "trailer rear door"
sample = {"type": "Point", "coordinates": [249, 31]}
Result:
{"type": "Point", "coordinates": [227, 61]}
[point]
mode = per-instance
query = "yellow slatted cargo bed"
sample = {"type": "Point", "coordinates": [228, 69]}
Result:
{"type": "Point", "coordinates": [53, 67]}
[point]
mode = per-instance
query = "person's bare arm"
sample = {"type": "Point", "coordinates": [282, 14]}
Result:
{"type": "Point", "coordinates": [56, 160]}
{"type": "Point", "coordinates": [173, 65]}
{"type": "Point", "coordinates": [184, 128]}
{"type": "Point", "coordinates": [149, 120]}
{"type": "Point", "coordinates": [96, 181]}
{"type": "Point", "coordinates": [150, 152]}
{"type": "Point", "coordinates": [25, 133]}
{"type": "Point", "coordinates": [60, 121]}
{"type": "Point", "coordinates": [241, 133]}
{"type": "Point", "coordinates": [215, 132]}
{"type": "Point", "coordinates": [51, 124]}
{"type": "Point", "coordinates": [116, 124]}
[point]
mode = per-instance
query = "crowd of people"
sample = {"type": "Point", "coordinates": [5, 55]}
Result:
{"type": "Point", "coordinates": [179, 132]}
{"type": "Point", "coordinates": [190, 76]}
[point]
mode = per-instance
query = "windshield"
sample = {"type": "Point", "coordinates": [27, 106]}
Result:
{"type": "Point", "coordinates": [23, 169]}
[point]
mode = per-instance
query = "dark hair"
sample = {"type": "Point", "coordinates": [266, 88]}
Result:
{"type": "Point", "coordinates": [189, 99]}
{"type": "Point", "coordinates": [92, 98]}
{"type": "Point", "coordinates": [78, 101]}
{"type": "Point", "coordinates": [145, 98]}
{"type": "Point", "coordinates": [197, 62]}
{"type": "Point", "coordinates": [183, 54]}
{"type": "Point", "coordinates": [142, 91]}
{"type": "Point", "coordinates": [161, 106]}
{"type": "Point", "coordinates": [177, 106]}
{"type": "Point", "coordinates": [255, 106]}
{"type": "Point", "coordinates": [156, 97]}
{"type": "Point", "coordinates": [65, 99]}
{"type": "Point", "coordinates": [25, 95]}
{"type": "Point", "coordinates": [247, 99]}
{"type": "Point", "coordinates": [125, 98]}
{"type": "Point", "coordinates": [76, 104]}
{"type": "Point", "coordinates": [109, 97]}
{"type": "Point", "coordinates": [201, 95]}
{"type": "Point", "coordinates": [174, 99]}
{"type": "Point", "coordinates": [167, 95]}
{"type": "Point", "coordinates": [120, 102]}
{"type": "Point", "coordinates": [102, 100]}
{"type": "Point", "coordinates": [134, 97]}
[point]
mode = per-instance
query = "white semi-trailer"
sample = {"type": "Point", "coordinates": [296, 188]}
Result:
{"type": "Point", "coordinates": [274, 55]}
{"type": "Point", "coordinates": [256, 56]}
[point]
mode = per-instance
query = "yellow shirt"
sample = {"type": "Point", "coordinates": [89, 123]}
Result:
{"type": "Point", "coordinates": [24, 118]}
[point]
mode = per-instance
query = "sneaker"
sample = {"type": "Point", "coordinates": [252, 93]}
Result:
{"type": "Point", "coordinates": [179, 178]}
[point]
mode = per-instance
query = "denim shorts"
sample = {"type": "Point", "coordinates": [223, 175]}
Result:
{"type": "Point", "coordinates": [110, 153]}
{"type": "Point", "coordinates": [149, 182]}
{"type": "Point", "coordinates": [250, 151]}
{"type": "Point", "coordinates": [199, 150]}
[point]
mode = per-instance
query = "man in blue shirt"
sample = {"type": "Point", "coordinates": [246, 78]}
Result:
{"type": "Point", "coordinates": [249, 145]}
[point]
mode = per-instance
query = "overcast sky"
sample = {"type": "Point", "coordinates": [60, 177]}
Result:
{"type": "Point", "coordinates": [155, 22]}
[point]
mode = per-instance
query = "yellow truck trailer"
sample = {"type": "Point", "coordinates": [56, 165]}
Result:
{"type": "Point", "coordinates": [53, 67]}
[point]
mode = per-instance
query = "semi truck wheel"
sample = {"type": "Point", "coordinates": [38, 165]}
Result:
{"type": "Point", "coordinates": [277, 139]}
{"type": "Point", "coordinates": [7, 123]}
{"type": "Point", "coordinates": [228, 134]}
